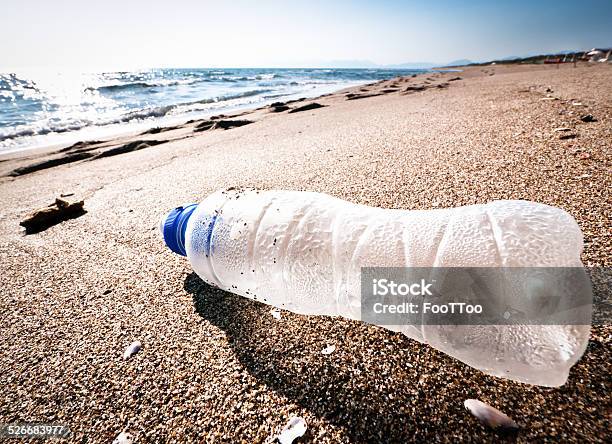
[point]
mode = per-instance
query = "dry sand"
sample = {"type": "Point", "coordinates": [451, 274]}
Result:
{"type": "Point", "coordinates": [215, 367]}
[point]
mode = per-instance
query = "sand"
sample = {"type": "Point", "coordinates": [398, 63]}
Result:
{"type": "Point", "coordinates": [215, 367]}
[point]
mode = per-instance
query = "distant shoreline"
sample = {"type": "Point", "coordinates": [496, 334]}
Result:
{"type": "Point", "coordinates": [136, 101]}
{"type": "Point", "coordinates": [63, 151]}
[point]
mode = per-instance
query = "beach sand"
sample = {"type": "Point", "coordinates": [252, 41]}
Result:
{"type": "Point", "coordinates": [215, 367]}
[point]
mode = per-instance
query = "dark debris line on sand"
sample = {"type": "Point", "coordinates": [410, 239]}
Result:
{"type": "Point", "coordinates": [220, 124]}
{"type": "Point", "coordinates": [49, 163]}
{"type": "Point", "coordinates": [136, 145]}
{"type": "Point", "coordinates": [84, 150]}
{"type": "Point", "coordinates": [278, 107]}
{"type": "Point", "coordinates": [160, 129]}
{"type": "Point", "coordinates": [352, 96]}
{"type": "Point", "coordinates": [307, 107]}
{"type": "Point", "coordinates": [81, 146]}
{"type": "Point", "coordinates": [90, 149]}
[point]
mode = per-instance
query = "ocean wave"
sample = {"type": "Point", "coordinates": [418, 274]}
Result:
{"type": "Point", "coordinates": [31, 131]}
{"type": "Point", "coordinates": [142, 85]}
{"type": "Point", "coordinates": [276, 96]}
{"type": "Point", "coordinates": [10, 82]}
{"type": "Point", "coordinates": [75, 125]}
{"type": "Point", "coordinates": [226, 97]}
{"type": "Point", "coordinates": [221, 76]}
{"type": "Point", "coordinates": [131, 116]}
{"type": "Point", "coordinates": [244, 78]}
{"type": "Point", "coordinates": [248, 93]}
{"type": "Point", "coordinates": [142, 114]}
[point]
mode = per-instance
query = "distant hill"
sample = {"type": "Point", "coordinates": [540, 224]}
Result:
{"type": "Point", "coordinates": [527, 58]}
{"type": "Point", "coordinates": [367, 64]}
{"type": "Point", "coordinates": [460, 62]}
{"type": "Point", "coordinates": [556, 57]}
{"type": "Point", "coordinates": [415, 65]}
{"type": "Point", "coordinates": [346, 64]}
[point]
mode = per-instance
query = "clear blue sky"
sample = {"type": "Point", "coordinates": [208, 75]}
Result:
{"type": "Point", "coordinates": [125, 34]}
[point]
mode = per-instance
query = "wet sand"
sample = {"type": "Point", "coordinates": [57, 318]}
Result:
{"type": "Point", "coordinates": [215, 367]}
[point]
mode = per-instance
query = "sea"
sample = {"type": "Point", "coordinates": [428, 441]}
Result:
{"type": "Point", "coordinates": [44, 108]}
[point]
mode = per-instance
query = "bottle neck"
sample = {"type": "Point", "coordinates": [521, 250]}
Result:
{"type": "Point", "coordinates": [174, 228]}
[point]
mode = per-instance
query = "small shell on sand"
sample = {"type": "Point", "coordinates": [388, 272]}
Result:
{"type": "Point", "coordinates": [275, 312]}
{"type": "Point", "coordinates": [295, 428]}
{"type": "Point", "coordinates": [490, 416]}
{"type": "Point", "coordinates": [123, 438]}
{"type": "Point", "coordinates": [328, 350]}
{"type": "Point", "coordinates": [588, 118]}
{"type": "Point", "coordinates": [132, 349]}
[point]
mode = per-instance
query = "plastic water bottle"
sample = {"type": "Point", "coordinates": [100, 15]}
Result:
{"type": "Point", "coordinates": [303, 252]}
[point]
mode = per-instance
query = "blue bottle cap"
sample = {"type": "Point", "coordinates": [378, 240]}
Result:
{"type": "Point", "coordinates": [173, 226]}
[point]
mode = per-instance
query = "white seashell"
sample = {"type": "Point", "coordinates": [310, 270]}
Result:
{"type": "Point", "coordinates": [123, 438]}
{"type": "Point", "coordinates": [132, 349]}
{"type": "Point", "coordinates": [295, 428]}
{"type": "Point", "coordinates": [276, 313]}
{"type": "Point", "coordinates": [490, 416]}
{"type": "Point", "coordinates": [328, 350]}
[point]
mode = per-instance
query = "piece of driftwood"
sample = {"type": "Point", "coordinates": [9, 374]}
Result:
{"type": "Point", "coordinates": [59, 211]}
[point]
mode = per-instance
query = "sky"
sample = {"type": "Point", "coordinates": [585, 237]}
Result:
{"type": "Point", "coordinates": [131, 34]}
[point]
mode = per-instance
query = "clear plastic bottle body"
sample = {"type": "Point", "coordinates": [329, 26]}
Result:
{"type": "Point", "coordinates": [304, 252]}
